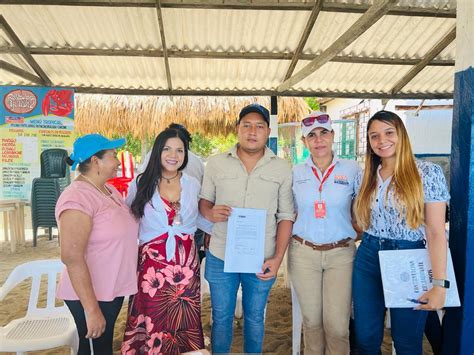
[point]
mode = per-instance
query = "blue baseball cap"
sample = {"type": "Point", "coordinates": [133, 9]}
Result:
{"type": "Point", "coordinates": [257, 109]}
{"type": "Point", "coordinates": [86, 146]}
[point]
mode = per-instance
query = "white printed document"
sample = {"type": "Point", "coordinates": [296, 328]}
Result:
{"type": "Point", "coordinates": [244, 250]}
{"type": "Point", "coordinates": [407, 274]}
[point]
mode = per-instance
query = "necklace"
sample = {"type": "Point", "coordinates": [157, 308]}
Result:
{"type": "Point", "coordinates": [324, 166]}
{"type": "Point", "coordinates": [97, 187]}
{"type": "Point", "coordinates": [109, 195]}
{"type": "Point", "coordinates": [171, 178]}
{"type": "Point", "coordinates": [322, 169]}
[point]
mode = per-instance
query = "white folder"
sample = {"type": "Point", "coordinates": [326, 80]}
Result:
{"type": "Point", "coordinates": [407, 274]}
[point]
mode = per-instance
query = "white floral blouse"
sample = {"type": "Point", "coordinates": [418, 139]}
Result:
{"type": "Point", "coordinates": [386, 220]}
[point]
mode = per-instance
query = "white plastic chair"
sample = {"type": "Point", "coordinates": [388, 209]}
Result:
{"type": "Point", "coordinates": [41, 328]}
{"type": "Point", "coordinates": [297, 322]}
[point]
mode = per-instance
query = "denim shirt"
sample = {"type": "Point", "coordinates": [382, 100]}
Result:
{"type": "Point", "coordinates": [386, 221]}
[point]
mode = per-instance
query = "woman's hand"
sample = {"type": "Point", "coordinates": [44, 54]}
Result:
{"type": "Point", "coordinates": [95, 324]}
{"type": "Point", "coordinates": [433, 299]}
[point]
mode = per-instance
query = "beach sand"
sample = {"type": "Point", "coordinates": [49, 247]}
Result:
{"type": "Point", "coordinates": [278, 317]}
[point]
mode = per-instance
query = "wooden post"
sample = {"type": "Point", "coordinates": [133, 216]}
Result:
{"type": "Point", "coordinates": [273, 140]}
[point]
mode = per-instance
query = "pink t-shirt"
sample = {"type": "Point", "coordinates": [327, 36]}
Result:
{"type": "Point", "coordinates": [112, 249]}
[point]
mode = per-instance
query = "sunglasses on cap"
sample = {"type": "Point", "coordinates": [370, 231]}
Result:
{"type": "Point", "coordinates": [309, 121]}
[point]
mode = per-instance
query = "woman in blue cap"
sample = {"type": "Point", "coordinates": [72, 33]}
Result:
{"type": "Point", "coordinates": [98, 243]}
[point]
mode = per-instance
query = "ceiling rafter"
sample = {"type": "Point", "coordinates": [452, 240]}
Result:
{"type": "Point", "coordinates": [176, 53]}
{"type": "Point", "coordinates": [23, 51]}
{"type": "Point", "coordinates": [432, 53]}
{"type": "Point", "coordinates": [246, 5]}
{"type": "Point", "coordinates": [292, 93]}
{"type": "Point", "coordinates": [304, 37]}
{"type": "Point", "coordinates": [159, 15]}
{"type": "Point", "coordinates": [367, 20]}
{"type": "Point", "coordinates": [20, 72]}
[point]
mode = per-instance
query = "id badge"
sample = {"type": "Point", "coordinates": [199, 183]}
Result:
{"type": "Point", "coordinates": [320, 209]}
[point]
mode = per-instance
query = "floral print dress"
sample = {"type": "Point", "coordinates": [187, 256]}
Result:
{"type": "Point", "coordinates": [164, 317]}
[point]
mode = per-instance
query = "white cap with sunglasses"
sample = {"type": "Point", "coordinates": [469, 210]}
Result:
{"type": "Point", "coordinates": [315, 119]}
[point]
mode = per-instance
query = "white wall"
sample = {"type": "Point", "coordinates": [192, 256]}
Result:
{"type": "Point", "coordinates": [335, 106]}
{"type": "Point", "coordinates": [429, 131]}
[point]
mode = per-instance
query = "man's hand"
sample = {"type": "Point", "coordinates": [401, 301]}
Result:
{"type": "Point", "coordinates": [269, 269]}
{"type": "Point", "coordinates": [220, 213]}
{"type": "Point", "coordinates": [95, 324]}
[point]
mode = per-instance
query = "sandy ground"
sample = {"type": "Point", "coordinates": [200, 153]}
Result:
{"type": "Point", "coordinates": [278, 318]}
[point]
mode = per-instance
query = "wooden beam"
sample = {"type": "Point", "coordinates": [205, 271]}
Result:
{"type": "Point", "coordinates": [20, 72]}
{"type": "Point", "coordinates": [217, 55]}
{"type": "Point", "coordinates": [24, 52]}
{"type": "Point", "coordinates": [432, 53]}
{"type": "Point", "coordinates": [369, 18]}
{"type": "Point", "coordinates": [394, 10]}
{"type": "Point", "coordinates": [245, 5]}
{"type": "Point", "coordinates": [419, 107]}
{"type": "Point", "coordinates": [304, 37]}
{"type": "Point", "coordinates": [325, 100]}
{"type": "Point", "coordinates": [390, 61]}
{"type": "Point", "coordinates": [332, 94]}
{"type": "Point", "coordinates": [422, 107]}
{"type": "Point", "coordinates": [159, 16]}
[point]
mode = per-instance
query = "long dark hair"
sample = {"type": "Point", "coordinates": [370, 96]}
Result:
{"type": "Point", "coordinates": [406, 179]}
{"type": "Point", "coordinates": [148, 180]}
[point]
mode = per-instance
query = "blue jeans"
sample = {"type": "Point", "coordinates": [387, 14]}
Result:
{"type": "Point", "coordinates": [224, 287]}
{"type": "Point", "coordinates": [369, 307]}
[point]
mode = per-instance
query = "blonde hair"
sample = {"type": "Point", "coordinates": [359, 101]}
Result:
{"type": "Point", "coordinates": [406, 180]}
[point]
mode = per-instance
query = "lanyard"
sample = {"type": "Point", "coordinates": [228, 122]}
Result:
{"type": "Point", "coordinates": [325, 177]}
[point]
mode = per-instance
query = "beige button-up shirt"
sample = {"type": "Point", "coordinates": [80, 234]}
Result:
{"type": "Point", "coordinates": [268, 187]}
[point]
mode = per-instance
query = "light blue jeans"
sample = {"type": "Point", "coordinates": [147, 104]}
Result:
{"type": "Point", "coordinates": [224, 287]}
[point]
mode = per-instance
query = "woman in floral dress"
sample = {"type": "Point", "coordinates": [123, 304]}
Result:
{"type": "Point", "coordinates": [164, 317]}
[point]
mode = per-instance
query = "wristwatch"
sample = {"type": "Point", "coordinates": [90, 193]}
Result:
{"type": "Point", "coordinates": [441, 283]}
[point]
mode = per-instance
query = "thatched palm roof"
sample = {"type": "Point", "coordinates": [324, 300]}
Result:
{"type": "Point", "coordinates": [146, 116]}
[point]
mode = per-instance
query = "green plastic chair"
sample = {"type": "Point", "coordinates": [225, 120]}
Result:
{"type": "Point", "coordinates": [44, 195]}
{"type": "Point", "coordinates": [53, 165]}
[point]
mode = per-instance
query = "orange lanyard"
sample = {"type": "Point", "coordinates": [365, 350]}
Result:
{"type": "Point", "coordinates": [325, 177]}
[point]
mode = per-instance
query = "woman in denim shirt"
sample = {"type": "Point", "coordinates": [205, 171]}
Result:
{"type": "Point", "coordinates": [407, 202]}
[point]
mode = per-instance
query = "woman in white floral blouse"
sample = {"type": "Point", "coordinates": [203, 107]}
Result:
{"type": "Point", "coordinates": [400, 205]}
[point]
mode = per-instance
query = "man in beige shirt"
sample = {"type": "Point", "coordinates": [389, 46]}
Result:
{"type": "Point", "coordinates": [250, 176]}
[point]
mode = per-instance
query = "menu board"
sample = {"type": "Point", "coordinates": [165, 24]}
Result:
{"type": "Point", "coordinates": [32, 119]}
